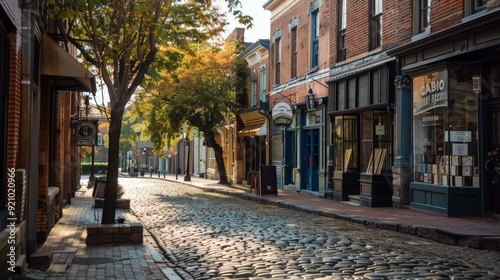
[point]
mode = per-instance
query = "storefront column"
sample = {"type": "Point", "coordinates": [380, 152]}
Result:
{"type": "Point", "coordinates": [402, 162]}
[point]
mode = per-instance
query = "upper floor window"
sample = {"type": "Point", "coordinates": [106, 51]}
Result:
{"type": "Point", "coordinates": [315, 38]}
{"type": "Point", "coordinates": [262, 82]}
{"type": "Point", "coordinates": [293, 34]}
{"type": "Point", "coordinates": [474, 7]}
{"type": "Point", "coordinates": [424, 15]}
{"type": "Point", "coordinates": [478, 5]}
{"type": "Point", "coordinates": [277, 60]}
{"type": "Point", "coordinates": [375, 24]}
{"type": "Point", "coordinates": [253, 88]}
{"type": "Point", "coordinates": [342, 25]}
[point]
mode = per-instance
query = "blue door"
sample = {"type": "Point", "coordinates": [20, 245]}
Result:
{"type": "Point", "coordinates": [310, 161]}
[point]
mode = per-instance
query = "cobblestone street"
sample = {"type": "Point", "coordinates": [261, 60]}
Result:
{"type": "Point", "coordinates": [207, 235]}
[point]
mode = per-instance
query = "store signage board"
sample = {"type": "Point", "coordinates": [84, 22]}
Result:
{"type": "Point", "coordinates": [460, 149]}
{"type": "Point", "coordinates": [87, 133]}
{"type": "Point", "coordinates": [282, 114]}
{"type": "Point", "coordinates": [430, 91]}
{"type": "Point", "coordinates": [458, 136]}
{"type": "Point", "coordinates": [379, 130]}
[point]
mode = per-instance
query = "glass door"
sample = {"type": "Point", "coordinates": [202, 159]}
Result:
{"type": "Point", "coordinates": [492, 164]}
{"type": "Point", "coordinates": [311, 160]}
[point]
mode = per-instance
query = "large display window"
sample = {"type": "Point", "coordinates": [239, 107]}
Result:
{"type": "Point", "coordinates": [346, 143]}
{"type": "Point", "coordinates": [445, 111]}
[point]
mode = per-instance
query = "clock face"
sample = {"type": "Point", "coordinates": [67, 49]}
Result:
{"type": "Point", "coordinates": [85, 130]}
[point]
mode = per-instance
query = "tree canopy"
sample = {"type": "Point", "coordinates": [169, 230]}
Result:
{"type": "Point", "coordinates": [201, 93]}
{"type": "Point", "coordinates": [120, 39]}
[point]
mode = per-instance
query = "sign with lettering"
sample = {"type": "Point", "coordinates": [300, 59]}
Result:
{"type": "Point", "coordinates": [86, 133]}
{"type": "Point", "coordinates": [282, 114]}
{"type": "Point", "coordinates": [430, 91]}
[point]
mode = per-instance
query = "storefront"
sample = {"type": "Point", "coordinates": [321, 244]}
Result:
{"type": "Point", "coordinates": [455, 99]}
{"type": "Point", "coordinates": [361, 117]}
{"type": "Point", "coordinates": [445, 137]}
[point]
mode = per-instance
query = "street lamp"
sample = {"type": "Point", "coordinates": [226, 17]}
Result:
{"type": "Point", "coordinates": [310, 100]}
{"type": "Point", "coordinates": [187, 177]}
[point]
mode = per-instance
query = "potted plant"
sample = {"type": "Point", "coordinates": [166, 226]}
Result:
{"type": "Point", "coordinates": [253, 179]}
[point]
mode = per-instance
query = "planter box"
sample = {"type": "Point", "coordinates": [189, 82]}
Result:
{"type": "Point", "coordinates": [345, 184]}
{"type": "Point", "coordinates": [114, 233]}
{"type": "Point", "coordinates": [376, 190]}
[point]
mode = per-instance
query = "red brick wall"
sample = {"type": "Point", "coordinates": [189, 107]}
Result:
{"type": "Point", "coordinates": [445, 14]}
{"type": "Point", "coordinates": [300, 10]}
{"type": "Point", "coordinates": [397, 25]}
{"type": "Point", "coordinates": [14, 111]}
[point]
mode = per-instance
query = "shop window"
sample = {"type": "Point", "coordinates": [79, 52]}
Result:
{"type": "Point", "coordinates": [363, 91]}
{"type": "Point", "coordinates": [346, 143]}
{"type": "Point", "coordinates": [445, 129]}
{"type": "Point", "coordinates": [495, 82]}
{"type": "Point", "coordinates": [376, 142]}
{"type": "Point", "coordinates": [351, 94]}
{"type": "Point", "coordinates": [340, 95]}
{"type": "Point", "coordinates": [366, 140]}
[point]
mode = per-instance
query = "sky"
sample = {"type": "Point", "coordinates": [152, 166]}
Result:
{"type": "Point", "coordinates": [261, 19]}
{"type": "Point", "coordinates": [260, 30]}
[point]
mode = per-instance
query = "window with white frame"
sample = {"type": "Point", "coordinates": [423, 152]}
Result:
{"type": "Point", "coordinates": [473, 7]}
{"type": "Point", "coordinates": [342, 25]}
{"type": "Point", "coordinates": [262, 82]}
{"type": "Point", "coordinates": [375, 24]}
{"type": "Point", "coordinates": [277, 59]}
{"type": "Point", "coordinates": [253, 88]}
{"type": "Point", "coordinates": [293, 35]}
{"type": "Point", "coordinates": [315, 38]}
{"type": "Point", "coordinates": [422, 14]}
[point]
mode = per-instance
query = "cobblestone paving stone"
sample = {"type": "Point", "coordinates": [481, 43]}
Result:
{"type": "Point", "coordinates": [207, 235]}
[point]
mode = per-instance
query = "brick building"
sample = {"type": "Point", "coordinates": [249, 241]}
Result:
{"type": "Point", "coordinates": [40, 99]}
{"type": "Point", "coordinates": [412, 92]}
{"type": "Point", "coordinates": [299, 65]}
{"type": "Point", "coordinates": [253, 127]}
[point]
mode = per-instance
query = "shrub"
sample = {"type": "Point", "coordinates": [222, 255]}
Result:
{"type": "Point", "coordinates": [99, 167]}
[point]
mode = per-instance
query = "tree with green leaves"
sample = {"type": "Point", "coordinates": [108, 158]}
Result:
{"type": "Point", "coordinates": [120, 39]}
{"type": "Point", "coordinates": [201, 93]}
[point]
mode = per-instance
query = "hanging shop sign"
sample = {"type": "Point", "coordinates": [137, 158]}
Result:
{"type": "Point", "coordinates": [87, 133]}
{"type": "Point", "coordinates": [282, 114]}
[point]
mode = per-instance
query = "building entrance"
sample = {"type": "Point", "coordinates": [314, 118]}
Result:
{"type": "Point", "coordinates": [492, 160]}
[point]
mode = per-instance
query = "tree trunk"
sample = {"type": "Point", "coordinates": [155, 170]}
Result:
{"type": "Point", "coordinates": [110, 193]}
{"type": "Point", "coordinates": [219, 159]}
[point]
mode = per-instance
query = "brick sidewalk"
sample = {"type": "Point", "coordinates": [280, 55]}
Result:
{"type": "Point", "coordinates": [73, 259]}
